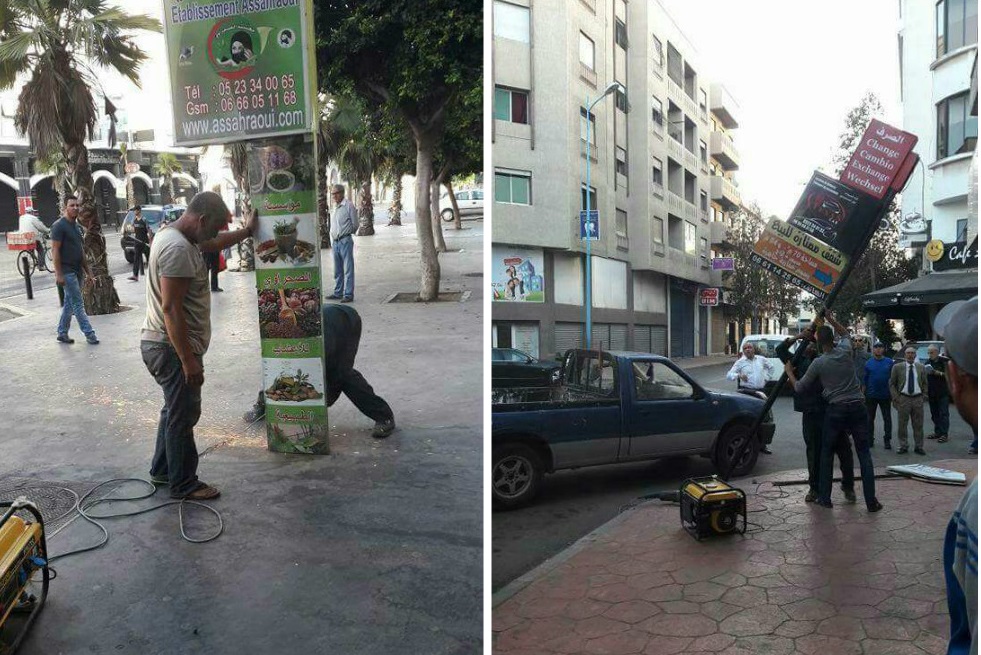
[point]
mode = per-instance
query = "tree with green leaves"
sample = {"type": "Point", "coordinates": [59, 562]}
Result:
{"type": "Point", "coordinates": [883, 263]}
{"type": "Point", "coordinates": [165, 167]}
{"type": "Point", "coordinates": [416, 59]}
{"type": "Point", "coordinates": [55, 44]}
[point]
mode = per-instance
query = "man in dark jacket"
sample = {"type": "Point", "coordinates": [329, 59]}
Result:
{"type": "Point", "coordinates": [342, 335]}
{"type": "Point", "coordinates": [811, 406]}
{"type": "Point", "coordinates": [937, 394]}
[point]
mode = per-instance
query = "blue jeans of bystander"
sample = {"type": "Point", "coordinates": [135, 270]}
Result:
{"type": "Point", "coordinates": [74, 305]}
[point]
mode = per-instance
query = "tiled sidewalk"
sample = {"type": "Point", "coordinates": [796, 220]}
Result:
{"type": "Point", "coordinates": [807, 580]}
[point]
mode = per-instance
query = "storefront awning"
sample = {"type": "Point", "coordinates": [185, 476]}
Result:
{"type": "Point", "coordinates": [932, 289]}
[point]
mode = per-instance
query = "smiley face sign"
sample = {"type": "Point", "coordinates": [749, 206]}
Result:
{"type": "Point", "coordinates": [934, 250]}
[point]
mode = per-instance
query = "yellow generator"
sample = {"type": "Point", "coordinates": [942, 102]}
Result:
{"type": "Point", "coordinates": [23, 570]}
{"type": "Point", "coordinates": [710, 507]}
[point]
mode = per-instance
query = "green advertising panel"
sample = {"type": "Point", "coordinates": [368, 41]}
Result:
{"type": "Point", "coordinates": [239, 69]}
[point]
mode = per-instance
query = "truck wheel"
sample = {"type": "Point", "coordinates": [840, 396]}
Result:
{"type": "Point", "coordinates": [730, 441]}
{"type": "Point", "coordinates": [516, 476]}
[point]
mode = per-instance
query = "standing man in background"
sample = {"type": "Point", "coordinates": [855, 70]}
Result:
{"type": "Point", "coordinates": [938, 394]}
{"type": "Point", "coordinates": [875, 381]}
{"type": "Point", "coordinates": [141, 243]}
{"type": "Point", "coordinates": [752, 372]}
{"type": "Point", "coordinates": [908, 384]}
{"type": "Point", "coordinates": [343, 225]}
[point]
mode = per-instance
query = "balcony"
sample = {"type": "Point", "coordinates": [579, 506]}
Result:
{"type": "Point", "coordinates": [724, 152]}
{"type": "Point", "coordinates": [587, 74]}
{"type": "Point", "coordinates": [681, 258]}
{"type": "Point", "coordinates": [675, 150]}
{"type": "Point", "coordinates": [719, 235]}
{"type": "Point", "coordinates": [691, 160]}
{"type": "Point", "coordinates": [676, 204]}
{"type": "Point", "coordinates": [723, 106]}
{"type": "Point", "coordinates": [682, 99]}
{"type": "Point", "coordinates": [725, 193]}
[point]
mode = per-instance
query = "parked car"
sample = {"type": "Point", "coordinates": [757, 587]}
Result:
{"type": "Point", "coordinates": [766, 347]}
{"type": "Point", "coordinates": [921, 350]}
{"type": "Point", "coordinates": [614, 407]}
{"type": "Point", "coordinates": [511, 367]}
{"type": "Point", "coordinates": [470, 202]}
{"type": "Point", "coordinates": [156, 216]}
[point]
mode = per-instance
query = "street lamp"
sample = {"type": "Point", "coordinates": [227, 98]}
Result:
{"type": "Point", "coordinates": [615, 86]}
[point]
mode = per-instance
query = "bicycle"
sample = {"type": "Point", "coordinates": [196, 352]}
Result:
{"type": "Point", "coordinates": [31, 260]}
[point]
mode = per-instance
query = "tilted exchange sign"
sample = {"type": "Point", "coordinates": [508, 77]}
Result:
{"type": "Point", "coordinates": [239, 69]}
{"type": "Point", "coordinates": [799, 258]}
{"type": "Point", "coordinates": [879, 159]}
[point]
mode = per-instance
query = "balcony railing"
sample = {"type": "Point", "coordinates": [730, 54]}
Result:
{"type": "Point", "coordinates": [719, 234]}
{"type": "Point", "coordinates": [723, 106]}
{"type": "Point", "coordinates": [657, 189]}
{"type": "Point", "coordinates": [691, 212]}
{"type": "Point", "coordinates": [587, 74]}
{"type": "Point", "coordinates": [681, 258]}
{"type": "Point", "coordinates": [723, 150]}
{"type": "Point", "coordinates": [682, 99]}
{"type": "Point", "coordinates": [691, 160]}
{"type": "Point", "coordinates": [623, 243]}
{"type": "Point", "coordinates": [675, 150]}
{"type": "Point", "coordinates": [724, 192]}
{"type": "Point", "coordinates": [676, 204]}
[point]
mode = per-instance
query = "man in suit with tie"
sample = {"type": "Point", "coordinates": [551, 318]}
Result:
{"type": "Point", "coordinates": [908, 386]}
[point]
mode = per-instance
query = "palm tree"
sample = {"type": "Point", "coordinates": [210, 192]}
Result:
{"type": "Point", "coordinates": [55, 44]}
{"type": "Point", "coordinates": [54, 165]}
{"type": "Point", "coordinates": [130, 189]}
{"type": "Point", "coordinates": [347, 141]}
{"type": "Point", "coordinates": [165, 167]}
{"type": "Point", "coordinates": [238, 161]}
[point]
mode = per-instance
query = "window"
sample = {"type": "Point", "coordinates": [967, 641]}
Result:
{"type": "Point", "coordinates": [703, 201]}
{"type": "Point", "coordinates": [598, 375]}
{"type": "Point", "coordinates": [957, 130]}
{"type": "Point", "coordinates": [961, 230]}
{"type": "Point", "coordinates": [621, 161]}
{"type": "Point", "coordinates": [592, 198]}
{"type": "Point", "coordinates": [621, 100]}
{"type": "Point", "coordinates": [657, 230]}
{"type": "Point", "coordinates": [657, 51]}
{"type": "Point", "coordinates": [511, 21]}
{"type": "Point", "coordinates": [462, 195]}
{"type": "Point", "coordinates": [587, 52]}
{"type": "Point", "coordinates": [658, 381]}
{"type": "Point", "coordinates": [675, 66]}
{"type": "Point", "coordinates": [477, 194]}
{"type": "Point", "coordinates": [621, 223]}
{"type": "Point", "coordinates": [657, 111]}
{"type": "Point", "coordinates": [658, 173]}
{"type": "Point", "coordinates": [620, 34]}
{"type": "Point", "coordinates": [705, 247]}
{"type": "Point", "coordinates": [703, 151]}
{"type": "Point", "coordinates": [511, 105]}
{"type": "Point", "coordinates": [582, 127]}
{"type": "Point", "coordinates": [691, 238]}
{"type": "Point", "coordinates": [703, 101]}
{"type": "Point", "coordinates": [957, 25]}
{"type": "Point", "coordinates": [512, 187]}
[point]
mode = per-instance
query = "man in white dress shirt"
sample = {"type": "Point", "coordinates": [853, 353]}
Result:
{"type": "Point", "coordinates": [752, 373]}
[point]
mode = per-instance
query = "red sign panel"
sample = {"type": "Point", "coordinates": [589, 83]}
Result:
{"type": "Point", "coordinates": [878, 159]}
{"type": "Point", "coordinates": [905, 171]}
{"type": "Point", "coordinates": [709, 297]}
{"type": "Point", "coordinates": [24, 203]}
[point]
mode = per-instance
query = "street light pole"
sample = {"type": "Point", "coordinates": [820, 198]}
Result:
{"type": "Point", "coordinates": [615, 86]}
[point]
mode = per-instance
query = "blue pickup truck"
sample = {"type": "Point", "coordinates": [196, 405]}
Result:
{"type": "Point", "coordinates": [615, 407]}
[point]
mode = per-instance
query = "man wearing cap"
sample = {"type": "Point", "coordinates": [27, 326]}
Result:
{"type": "Point", "coordinates": [958, 324]}
{"type": "Point", "coordinates": [343, 224]}
{"type": "Point", "coordinates": [908, 385]}
{"type": "Point", "coordinates": [937, 394]}
{"type": "Point", "coordinates": [29, 222]}
{"type": "Point", "coordinates": [875, 381]}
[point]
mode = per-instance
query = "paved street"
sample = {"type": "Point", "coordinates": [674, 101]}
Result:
{"type": "Point", "coordinates": [376, 548]}
{"type": "Point", "coordinates": [573, 503]}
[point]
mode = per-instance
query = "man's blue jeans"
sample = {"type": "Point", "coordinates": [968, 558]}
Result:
{"type": "Point", "coordinates": [848, 418]}
{"type": "Point", "coordinates": [344, 267]}
{"type": "Point", "coordinates": [74, 305]}
{"type": "Point", "coordinates": [175, 456]}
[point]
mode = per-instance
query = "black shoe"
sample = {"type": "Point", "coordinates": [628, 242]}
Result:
{"type": "Point", "coordinates": [766, 450]}
{"type": "Point", "coordinates": [875, 506]}
{"type": "Point", "coordinates": [902, 451]}
{"type": "Point", "coordinates": [332, 296]}
{"type": "Point", "coordinates": [347, 299]}
{"type": "Point", "coordinates": [823, 503]}
{"type": "Point", "coordinates": [849, 495]}
{"type": "Point", "coordinates": [887, 446]}
{"type": "Point", "coordinates": [919, 451]}
{"type": "Point", "coordinates": [810, 497]}
{"type": "Point", "coordinates": [64, 338]}
{"type": "Point", "coordinates": [217, 290]}
{"type": "Point", "coordinates": [92, 340]}
{"type": "Point", "coordinates": [383, 428]}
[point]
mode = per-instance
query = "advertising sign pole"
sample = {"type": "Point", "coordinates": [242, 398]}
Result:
{"type": "Point", "coordinates": [246, 72]}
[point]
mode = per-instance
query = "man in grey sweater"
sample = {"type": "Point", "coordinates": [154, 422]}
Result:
{"type": "Point", "coordinates": [835, 369]}
{"type": "Point", "coordinates": [343, 224]}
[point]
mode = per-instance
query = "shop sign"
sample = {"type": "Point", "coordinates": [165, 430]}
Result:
{"type": "Point", "coordinates": [709, 296]}
{"type": "Point", "coordinates": [799, 258]}
{"type": "Point", "coordinates": [723, 264]}
{"type": "Point", "coordinates": [879, 160]}
{"type": "Point", "coordinates": [956, 256]}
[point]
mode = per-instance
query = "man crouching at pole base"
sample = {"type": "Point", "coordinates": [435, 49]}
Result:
{"type": "Point", "coordinates": [835, 369]}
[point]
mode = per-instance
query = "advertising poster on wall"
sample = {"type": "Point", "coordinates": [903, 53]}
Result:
{"type": "Point", "coordinates": [518, 275]}
{"type": "Point", "coordinates": [239, 70]}
{"type": "Point", "coordinates": [288, 282]}
{"type": "Point", "coordinates": [798, 258]}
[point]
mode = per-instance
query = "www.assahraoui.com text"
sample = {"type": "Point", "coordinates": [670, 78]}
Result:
{"type": "Point", "coordinates": [188, 12]}
{"type": "Point", "coordinates": [240, 124]}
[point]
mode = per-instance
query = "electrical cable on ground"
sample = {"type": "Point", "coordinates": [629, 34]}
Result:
{"type": "Point", "coordinates": [83, 508]}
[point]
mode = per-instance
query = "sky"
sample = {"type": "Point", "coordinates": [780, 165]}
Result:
{"type": "Point", "coordinates": [794, 69]}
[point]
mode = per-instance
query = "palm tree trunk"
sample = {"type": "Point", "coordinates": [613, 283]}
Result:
{"type": "Point", "coordinates": [98, 291]}
{"type": "Point", "coordinates": [395, 209]}
{"type": "Point", "coordinates": [366, 211]}
{"type": "Point", "coordinates": [323, 207]}
{"type": "Point", "coordinates": [239, 163]}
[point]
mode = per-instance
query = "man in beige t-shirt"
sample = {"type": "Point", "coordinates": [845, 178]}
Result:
{"type": "Point", "coordinates": [176, 334]}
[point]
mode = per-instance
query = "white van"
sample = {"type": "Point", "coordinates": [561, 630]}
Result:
{"type": "Point", "coordinates": [766, 346]}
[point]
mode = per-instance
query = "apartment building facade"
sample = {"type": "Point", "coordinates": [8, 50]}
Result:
{"type": "Point", "coordinates": [661, 160]}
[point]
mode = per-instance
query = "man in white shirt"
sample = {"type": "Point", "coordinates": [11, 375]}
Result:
{"type": "Point", "coordinates": [29, 222]}
{"type": "Point", "coordinates": [908, 386]}
{"type": "Point", "coordinates": [752, 373]}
